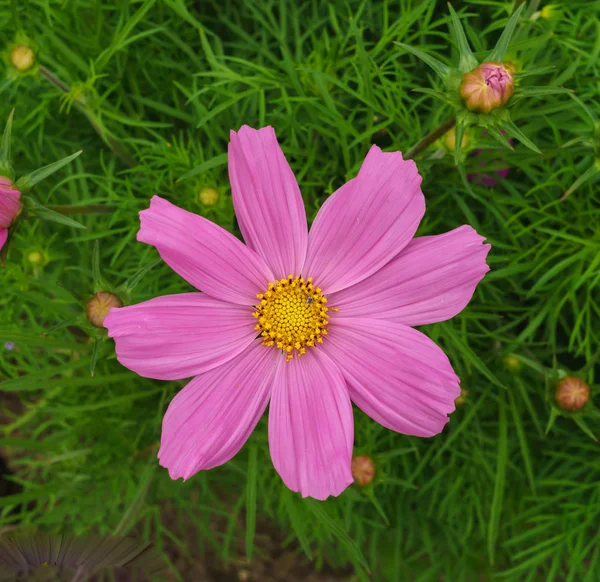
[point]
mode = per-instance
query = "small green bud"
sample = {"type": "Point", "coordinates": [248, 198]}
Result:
{"type": "Point", "coordinates": [209, 196]}
{"type": "Point", "coordinates": [462, 397]}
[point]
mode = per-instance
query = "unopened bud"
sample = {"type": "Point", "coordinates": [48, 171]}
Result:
{"type": "Point", "coordinates": [512, 362]}
{"type": "Point", "coordinates": [99, 305]}
{"type": "Point", "coordinates": [363, 470]}
{"type": "Point", "coordinates": [22, 58]}
{"type": "Point", "coordinates": [449, 141]}
{"type": "Point", "coordinates": [572, 394]}
{"type": "Point", "coordinates": [35, 257]}
{"type": "Point", "coordinates": [487, 87]}
{"type": "Point", "coordinates": [209, 196]}
{"type": "Point", "coordinates": [550, 11]}
{"type": "Point", "coordinates": [462, 398]}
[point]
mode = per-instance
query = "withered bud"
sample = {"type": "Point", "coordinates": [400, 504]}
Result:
{"type": "Point", "coordinates": [572, 394]}
{"type": "Point", "coordinates": [363, 470]}
{"type": "Point", "coordinates": [99, 305]}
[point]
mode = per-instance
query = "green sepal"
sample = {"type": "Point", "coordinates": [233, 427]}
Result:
{"type": "Point", "coordinates": [534, 71]}
{"type": "Point", "coordinates": [98, 281]}
{"type": "Point", "coordinates": [515, 132]}
{"type": "Point", "coordinates": [44, 213]}
{"type": "Point", "coordinates": [26, 183]}
{"type": "Point", "coordinates": [540, 91]}
{"type": "Point", "coordinates": [502, 45]}
{"type": "Point", "coordinates": [499, 137]}
{"type": "Point", "coordinates": [435, 94]}
{"type": "Point", "coordinates": [459, 136]}
{"type": "Point", "coordinates": [440, 68]}
{"type": "Point", "coordinates": [467, 61]}
{"type": "Point", "coordinates": [124, 291]}
{"type": "Point", "coordinates": [582, 424]}
{"type": "Point", "coordinates": [5, 167]}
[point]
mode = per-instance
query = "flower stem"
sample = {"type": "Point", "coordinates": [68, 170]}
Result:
{"type": "Point", "coordinates": [110, 142]}
{"type": "Point", "coordinates": [430, 138]}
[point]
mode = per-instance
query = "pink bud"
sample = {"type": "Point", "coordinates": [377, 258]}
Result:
{"type": "Point", "coordinates": [99, 305]}
{"type": "Point", "coordinates": [10, 206]}
{"type": "Point", "coordinates": [572, 394]}
{"type": "Point", "coordinates": [487, 87]}
{"type": "Point", "coordinates": [363, 470]}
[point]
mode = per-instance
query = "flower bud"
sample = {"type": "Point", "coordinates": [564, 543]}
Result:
{"type": "Point", "coordinates": [572, 394]}
{"type": "Point", "coordinates": [449, 140]}
{"type": "Point", "coordinates": [209, 196]}
{"type": "Point", "coordinates": [512, 362]}
{"type": "Point", "coordinates": [99, 305]}
{"type": "Point", "coordinates": [487, 87]}
{"type": "Point", "coordinates": [35, 258]}
{"type": "Point", "coordinates": [363, 470]}
{"type": "Point", "coordinates": [10, 206]}
{"type": "Point", "coordinates": [22, 58]}
{"type": "Point", "coordinates": [462, 398]}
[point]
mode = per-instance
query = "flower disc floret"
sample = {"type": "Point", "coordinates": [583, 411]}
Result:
{"type": "Point", "coordinates": [292, 315]}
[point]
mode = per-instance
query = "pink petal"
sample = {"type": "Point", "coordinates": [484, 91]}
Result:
{"type": "Point", "coordinates": [431, 280]}
{"type": "Point", "coordinates": [9, 205]}
{"type": "Point", "coordinates": [3, 236]}
{"type": "Point", "coordinates": [179, 336]}
{"type": "Point", "coordinates": [204, 254]}
{"type": "Point", "coordinates": [209, 421]}
{"type": "Point", "coordinates": [395, 374]}
{"type": "Point", "coordinates": [311, 426]}
{"type": "Point", "coordinates": [366, 223]}
{"type": "Point", "coordinates": [267, 200]}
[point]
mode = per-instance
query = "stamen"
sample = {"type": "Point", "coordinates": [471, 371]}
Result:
{"type": "Point", "coordinates": [292, 315]}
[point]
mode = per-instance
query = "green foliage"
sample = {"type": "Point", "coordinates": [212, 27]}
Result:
{"type": "Point", "coordinates": [149, 91]}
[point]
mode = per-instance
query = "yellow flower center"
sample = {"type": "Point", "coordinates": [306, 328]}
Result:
{"type": "Point", "coordinates": [292, 315]}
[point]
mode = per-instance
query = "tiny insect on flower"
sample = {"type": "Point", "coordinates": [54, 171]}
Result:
{"type": "Point", "coordinates": [487, 87]}
{"type": "Point", "coordinates": [305, 321]}
{"type": "Point", "coordinates": [572, 394]}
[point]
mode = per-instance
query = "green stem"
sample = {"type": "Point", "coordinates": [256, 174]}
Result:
{"type": "Point", "coordinates": [109, 141]}
{"type": "Point", "coordinates": [430, 138]}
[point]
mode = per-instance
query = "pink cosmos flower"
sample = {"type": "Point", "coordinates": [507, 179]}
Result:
{"type": "Point", "coordinates": [9, 207]}
{"type": "Point", "coordinates": [306, 321]}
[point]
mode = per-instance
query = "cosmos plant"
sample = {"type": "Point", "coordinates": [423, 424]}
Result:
{"type": "Point", "coordinates": [481, 93]}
